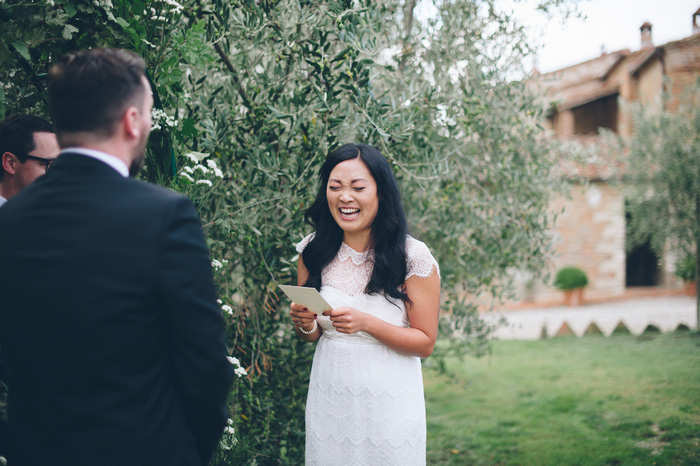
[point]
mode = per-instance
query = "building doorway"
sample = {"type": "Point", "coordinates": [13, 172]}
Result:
{"type": "Point", "coordinates": [642, 262]}
{"type": "Point", "coordinates": [642, 266]}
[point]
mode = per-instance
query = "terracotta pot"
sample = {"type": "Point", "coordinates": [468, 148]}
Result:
{"type": "Point", "coordinates": [573, 297]}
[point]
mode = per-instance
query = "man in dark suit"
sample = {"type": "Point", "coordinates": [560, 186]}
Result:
{"type": "Point", "coordinates": [28, 145]}
{"type": "Point", "coordinates": [108, 318]}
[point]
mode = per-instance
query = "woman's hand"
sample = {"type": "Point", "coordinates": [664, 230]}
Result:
{"type": "Point", "coordinates": [302, 317]}
{"type": "Point", "coordinates": [347, 319]}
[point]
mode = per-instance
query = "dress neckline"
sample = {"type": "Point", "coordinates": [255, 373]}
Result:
{"type": "Point", "coordinates": [356, 252]}
{"type": "Point", "coordinates": [358, 258]}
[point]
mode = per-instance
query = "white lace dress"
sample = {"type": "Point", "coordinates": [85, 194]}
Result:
{"type": "Point", "coordinates": [365, 404]}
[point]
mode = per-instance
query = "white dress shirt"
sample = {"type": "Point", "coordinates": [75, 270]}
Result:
{"type": "Point", "coordinates": [104, 157]}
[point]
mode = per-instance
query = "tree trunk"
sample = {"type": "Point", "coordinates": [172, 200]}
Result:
{"type": "Point", "coordinates": [408, 26]}
{"type": "Point", "coordinates": [697, 289]}
{"type": "Point", "coordinates": [697, 264]}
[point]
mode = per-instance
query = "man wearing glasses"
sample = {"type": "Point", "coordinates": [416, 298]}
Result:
{"type": "Point", "coordinates": [28, 145]}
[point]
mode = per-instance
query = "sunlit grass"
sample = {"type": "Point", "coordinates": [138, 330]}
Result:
{"type": "Point", "coordinates": [570, 401]}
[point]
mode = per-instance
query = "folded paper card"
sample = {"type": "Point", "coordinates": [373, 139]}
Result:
{"type": "Point", "coordinates": [307, 297]}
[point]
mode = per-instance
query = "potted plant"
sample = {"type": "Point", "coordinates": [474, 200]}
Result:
{"type": "Point", "coordinates": [685, 270]}
{"type": "Point", "coordinates": [571, 280]}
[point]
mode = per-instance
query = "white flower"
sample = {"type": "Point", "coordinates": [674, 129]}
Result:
{"type": "Point", "coordinates": [158, 116]}
{"type": "Point", "coordinates": [207, 182]}
{"type": "Point", "coordinates": [219, 301]}
{"type": "Point", "coordinates": [192, 156]}
{"type": "Point", "coordinates": [176, 7]}
{"type": "Point", "coordinates": [218, 173]}
{"type": "Point", "coordinates": [227, 309]}
{"type": "Point", "coordinates": [202, 168]}
{"type": "Point", "coordinates": [238, 370]}
{"type": "Point", "coordinates": [229, 421]}
{"type": "Point", "coordinates": [218, 264]}
{"type": "Point", "coordinates": [106, 4]}
{"type": "Point", "coordinates": [187, 177]}
{"type": "Point", "coordinates": [188, 169]}
{"type": "Point", "coordinates": [230, 430]}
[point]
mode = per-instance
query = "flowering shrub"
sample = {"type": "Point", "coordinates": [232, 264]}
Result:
{"type": "Point", "coordinates": [159, 119]}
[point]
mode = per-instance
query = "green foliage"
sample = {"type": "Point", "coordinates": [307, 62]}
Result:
{"type": "Point", "coordinates": [685, 269]}
{"type": "Point", "coordinates": [570, 278]}
{"type": "Point", "coordinates": [256, 93]}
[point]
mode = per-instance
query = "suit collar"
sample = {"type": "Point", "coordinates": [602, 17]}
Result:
{"type": "Point", "coordinates": [70, 161]}
{"type": "Point", "coordinates": [109, 159]}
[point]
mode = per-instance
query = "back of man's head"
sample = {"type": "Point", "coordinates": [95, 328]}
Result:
{"type": "Point", "coordinates": [89, 91]}
{"type": "Point", "coordinates": [17, 135]}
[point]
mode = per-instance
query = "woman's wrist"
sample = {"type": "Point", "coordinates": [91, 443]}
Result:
{"type": "Point", "coordinates": [308, 332]}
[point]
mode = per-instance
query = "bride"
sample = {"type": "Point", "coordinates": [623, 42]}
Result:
{"type": "Point", "coordinates": [365, 403]}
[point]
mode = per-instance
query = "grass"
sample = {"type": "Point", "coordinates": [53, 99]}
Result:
{"type": "Point", "coordinates": [620, 400]}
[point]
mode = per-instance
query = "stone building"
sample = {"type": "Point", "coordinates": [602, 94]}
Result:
{"type": "Point", "coordinates": [590, 233]}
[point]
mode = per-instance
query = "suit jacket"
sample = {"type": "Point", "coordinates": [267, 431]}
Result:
{"type": "Point", "coordinates": [112, 337]}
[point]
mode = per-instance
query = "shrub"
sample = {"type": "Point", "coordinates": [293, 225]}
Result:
{"type": "Point", "coordinates": [685, 269]}
{"type": "Point", "coordinates": [569, 278]}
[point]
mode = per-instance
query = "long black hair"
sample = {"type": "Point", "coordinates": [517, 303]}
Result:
{"type": "Point", "coordinates": [388, 233]}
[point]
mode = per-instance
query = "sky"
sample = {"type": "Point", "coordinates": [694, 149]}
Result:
{"type": "Point", "coordinates": [609, 24]}
{"type": "Point", "coordinates": [612, 24]}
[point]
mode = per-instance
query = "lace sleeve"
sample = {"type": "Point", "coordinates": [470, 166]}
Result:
{"type": "Point", "coordinates": [420, 260]}
{"type": "Point", "coordinates": [301, 245]}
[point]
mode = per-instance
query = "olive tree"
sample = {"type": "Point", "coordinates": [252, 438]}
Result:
{"type": "Point", "coordinates": [660, 169]}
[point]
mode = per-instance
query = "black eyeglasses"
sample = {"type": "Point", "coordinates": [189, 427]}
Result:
{"type": "Point", "coordinates": [46, 162]}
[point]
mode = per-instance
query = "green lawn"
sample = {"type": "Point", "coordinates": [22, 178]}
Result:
{"type": "Point", "coordinates": [595, 400]}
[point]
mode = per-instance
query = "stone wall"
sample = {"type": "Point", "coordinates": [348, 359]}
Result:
{"type": "Point", "coordinates": [650, 84]}
{"type": "Point", "coordinates": [590, 234]}
{"type": "Point", "coordinates": [682, 67]}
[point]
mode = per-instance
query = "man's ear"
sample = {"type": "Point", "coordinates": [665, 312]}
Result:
{"type": "Point", "coordinates": [9, 162]}
{"type": "Point", "coordinates": [131, 121]}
